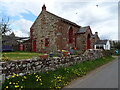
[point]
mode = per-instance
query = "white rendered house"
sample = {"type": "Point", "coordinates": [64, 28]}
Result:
{"type": "Point", "coordinates": [102, 44]}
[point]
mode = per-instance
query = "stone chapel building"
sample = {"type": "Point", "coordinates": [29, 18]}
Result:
{"type": "Point", "coordinates": [50, 33]}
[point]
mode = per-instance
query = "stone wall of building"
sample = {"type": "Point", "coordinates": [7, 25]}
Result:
{"type": "Point", "coordinates": [52, 27]}
{"type": "Point", "coordinates": [43, 28]}
{"type": "Point", "coordinates": [81, 42]}
{"type": "Point", "coordinates": [22, 67]}
{"type": "Point", "coordinates": [55, 30]}
{"type": "Point", "coordinates": [63, 39]}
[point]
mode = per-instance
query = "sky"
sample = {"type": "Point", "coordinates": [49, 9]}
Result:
{"type": "Point", "coordinates": [100, 15]}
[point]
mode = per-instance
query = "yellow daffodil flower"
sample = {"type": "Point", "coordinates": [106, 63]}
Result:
{"type": "Point", "coordinates": [6, 86]}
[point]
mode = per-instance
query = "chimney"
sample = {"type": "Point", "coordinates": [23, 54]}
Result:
{"type": "Point", "coordinates": [44, 8]}
{"type": "Point", "coordinates": [96, 33]}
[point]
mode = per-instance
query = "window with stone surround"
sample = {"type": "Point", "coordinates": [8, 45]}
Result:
{"type": "Point", "coordinates": [46, 42]}
{"type": "Point", "coordinates": [70, 35]}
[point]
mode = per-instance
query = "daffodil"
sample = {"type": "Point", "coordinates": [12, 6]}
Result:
{"type": "Point", "coordinates": [10, 82]}
{"type": "Point", "coordinates": [60, 80]}
{"type": "Point", "coordinates": [40, 79]}
{"type": "Point", "coordinates": [6, 86]}
{"type": "Point", "coordinates": [47, 72]}
{"type": "Point", "coordinates": [17, 75]}
{"type": "Point", "coordinates": [16, 86]}
{"type": "Point", "coordinates": [37, 80]}
{"type": "Point", "coordinates": [36, 76]}
{"type": "Point", "coordinates": [58, 77]}
{"type": "Point", "coordinates": [58, 87]}
{"type": "Point", "coordinates": [13, 76]}
{"type": "Point", "coordinates": [21, 86]}
{"type": "Point", "coordinates": [25, 77]}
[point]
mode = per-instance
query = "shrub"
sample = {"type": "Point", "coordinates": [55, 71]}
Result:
{"type": "Point", "coordinates": [106, 52]}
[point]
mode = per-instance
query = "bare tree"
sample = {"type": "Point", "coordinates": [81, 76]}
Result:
{"type": "Point", "coordinates": [4, 25]}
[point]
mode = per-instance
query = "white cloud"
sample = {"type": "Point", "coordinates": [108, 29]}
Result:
{"type": "Point", "coordinates": [83, 12]}
{"type": "Point", "coordinates": [23, 27]}
{"type": "Point", "coordinates": [59, 1]}
{"type": "Point", "coordinates": [19, 33]}
{"type": "Point", "coordinates": [103, 19]}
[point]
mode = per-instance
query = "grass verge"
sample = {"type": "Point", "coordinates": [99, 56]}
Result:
{"type": "Point", "coordinates": [54, 79]}
{"type": "Point", "coordinates": [19, 55]}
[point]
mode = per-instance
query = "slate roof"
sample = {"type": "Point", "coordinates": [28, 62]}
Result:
{"type": "Point", "coordinates": [13, 37]}
{"type": "Point", "coordinates": [83, 29]}
{"type": "Point", "coordinates": [64, 20]}
{"type": "Point", "coordinates": [20, 38]}
{"type": "Point", "coordinates": [103, 42]}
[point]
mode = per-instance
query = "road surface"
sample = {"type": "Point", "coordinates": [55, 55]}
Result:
{"type": "Point", "coordinates": [104, 77]}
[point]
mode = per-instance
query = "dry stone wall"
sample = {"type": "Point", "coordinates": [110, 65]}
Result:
{"type": "Point", "coordinates": [22, 67]}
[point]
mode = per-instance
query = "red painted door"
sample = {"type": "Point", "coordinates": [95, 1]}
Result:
{"type": "Point", "coordinates": [21, 47]}
{"type": "Point", "coordinates": [31, 48]}
{"type": "Point", "coordinates": [88, 44]}
{"type": "Point", "coordinates": [34, 46]}
{"type": "Point", "coordinates": [71, 35]}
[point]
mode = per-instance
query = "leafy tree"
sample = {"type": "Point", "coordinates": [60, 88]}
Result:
{"type": "Point", "coordinates": [117, 45]}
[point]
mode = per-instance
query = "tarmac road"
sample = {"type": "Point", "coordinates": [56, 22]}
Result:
{"type": "Point", "coordinates": [104, 77]}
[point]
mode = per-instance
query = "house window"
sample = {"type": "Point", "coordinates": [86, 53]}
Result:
{"type": "Point", "coordinates": [41, 41]}
{"type": "Point", "coordinates": [70, 35]}
{"type": "Point", "coordinates": [46, 42]}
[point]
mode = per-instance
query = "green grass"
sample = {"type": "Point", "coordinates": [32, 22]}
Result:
{"type": "Point", "coordinates": [19, 55]}
{"type": "Point", "coordinates": [116, 54]}
{"type": "Point", "coordinates": [55, 79]}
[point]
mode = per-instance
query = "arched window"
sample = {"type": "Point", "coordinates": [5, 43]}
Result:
{"type": "Point", "coordinates": [88, 41]}
{"type": "Point", "coordinates": [70, 35]}
{"type": "Point", "coordinates": [34, 45]}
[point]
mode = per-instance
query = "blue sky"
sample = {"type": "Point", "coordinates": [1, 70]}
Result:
{"type": "Point", "coordinates": [103, 19]}
{"type": "Point", "coordinates": [29, 16]}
